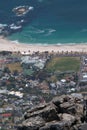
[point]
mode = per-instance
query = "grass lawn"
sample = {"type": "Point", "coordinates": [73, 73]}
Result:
{"type": "Point", "coordinates": [14, 66]}
{"type": "Point", "coordinates": [63, 64]}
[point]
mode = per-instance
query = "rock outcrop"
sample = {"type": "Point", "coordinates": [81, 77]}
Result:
{"type": "Point", "coordinates": [62, 113]}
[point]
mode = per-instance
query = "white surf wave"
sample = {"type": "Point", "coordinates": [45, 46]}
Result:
{"type": "Point", "coordinates": [46, 44]}
{"type": "Point", "coordinates": [49, 31]}
{"type": "Point", "coordinates": [15, 41]}
{"type": "Point", "coordinates": [34, 30]}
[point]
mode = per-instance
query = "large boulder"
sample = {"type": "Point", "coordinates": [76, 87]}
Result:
{"type": "Point", "coordinates": [48, 112]}
{"type": "Point", "coordinates": [65, 106]}
{"type": "Point", "coordinates": [32, 123]}
{"type": "Point", "coordinates": [70, 119]}
{"type": "Point", "coordinates": [57, 125]}
{"type": "Point", "coordinates": [34, 111]}
{"type": "Point", "coordinates": [62, 113]}
{"type": "Point", "coordinates": [54, 125]}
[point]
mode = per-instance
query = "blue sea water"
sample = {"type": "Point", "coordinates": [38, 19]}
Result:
{"type": "Point", "coordinates": [51, 22]}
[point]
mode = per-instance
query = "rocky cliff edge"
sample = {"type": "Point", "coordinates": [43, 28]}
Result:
{"type": "Point", "coordinates": [66, 112]}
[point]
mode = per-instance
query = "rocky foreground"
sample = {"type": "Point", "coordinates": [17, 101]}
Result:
{"type": "Point", "coordinates": [67, 112]}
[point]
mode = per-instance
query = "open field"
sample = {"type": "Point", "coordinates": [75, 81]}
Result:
{"type": "Point", "coordinates": [63, 64]}
{"type": "Point", "coordinates": [14, 66]}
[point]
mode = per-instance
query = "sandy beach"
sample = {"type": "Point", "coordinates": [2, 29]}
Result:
{"type": "Point", "coordinates": [7, 45]}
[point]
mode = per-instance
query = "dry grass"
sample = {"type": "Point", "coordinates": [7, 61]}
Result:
{"type": "Point", "coordinates": [14, 66]}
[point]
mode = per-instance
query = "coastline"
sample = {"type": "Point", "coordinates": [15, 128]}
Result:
{"type": "Point", "coordinates": [13, 46]}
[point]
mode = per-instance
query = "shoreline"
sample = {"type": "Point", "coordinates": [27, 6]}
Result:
{"type": "Point", "coordinates": [14, 46]}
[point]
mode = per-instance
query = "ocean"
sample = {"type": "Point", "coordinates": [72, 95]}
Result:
{"type": "Point", "coordinates": [51, 21]}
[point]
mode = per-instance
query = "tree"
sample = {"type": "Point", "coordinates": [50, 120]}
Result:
{"type": "Point", "coordinates": [15, 72]}
{"type": "Point", "coordinates": [6, 70]}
